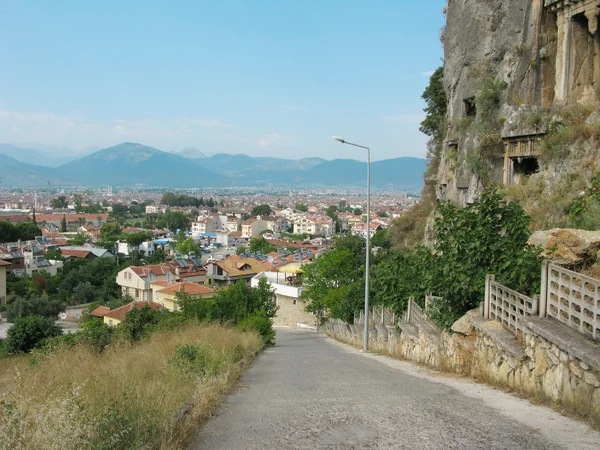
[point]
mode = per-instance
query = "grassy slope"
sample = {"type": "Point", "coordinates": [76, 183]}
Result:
{"type": "Point", "coordinates": [129, 397]}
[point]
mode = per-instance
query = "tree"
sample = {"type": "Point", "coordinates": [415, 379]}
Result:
{"type": "Point", "coordinates": [80, 239]}
{"type": "Point", "coordinates": [238, 302]}
{"type": "Point", "coordinates": [27, 231]}
{"type": "Point", "coordinates": [134, 240]}
{"type": "Point", "coordinates": [138, 323]}
{"type": "Point", "coordinates": [331, 211]}
{"type": "Point", "coordinates": [77, 199]}
{"type": "Point", "coordinates": [22, 307]}
{"type": "Point", "coordinates": [357, 212]}
{"type": "Point", "coordinates": [84, 293]}
{"type": "Point", "coordinates": [261, 210]}
{"type": "Point", "coordinates": [110, 232]}
{"type": "Point", "coordinates": [185, 245]}
{"type": "Point", "coordinates": [59, 202]}
{"type": "Point", "coordinates": [176, 220]}
{"type": "Point", "coordinates": [260, 244]}
{"type": "Point", "coordinates": [301, 207]}
{"type": "Point", "coordinates": [382, 239]}
{"type": "Point", "coordinates": [29, 332]}
{"type": "Point", "coordinates": [8, 232]}
{"type": "Point", "coordinates": [435, 112]}
{"type": "Point", "coordinates": [63, 224]}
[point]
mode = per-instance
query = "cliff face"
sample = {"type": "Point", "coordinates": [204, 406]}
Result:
{"type": "Point", "coordinates": [513, 70]}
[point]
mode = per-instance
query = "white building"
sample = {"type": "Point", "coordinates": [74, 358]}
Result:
{"type": "Point", "coordinates": [135, 281]}
{"type": "Point", "coordinates": [252, 227]}
{"type": "Point", "coordinates": [144, 249]}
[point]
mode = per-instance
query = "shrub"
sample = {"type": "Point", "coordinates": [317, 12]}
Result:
{"type": "Point", "coordinates": [22, 307]}
{"type": "Point", "coordinates": [29, 332]}
{"type": "Point", "coordinates": [261, 324]}
{"type": "Point", "coordinates": [138, 323]}
{"type": "Point", "coordinates": [488, 98]}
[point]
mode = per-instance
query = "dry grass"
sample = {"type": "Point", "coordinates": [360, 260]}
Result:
{"type": "Point", "coordinates": [131, 396]}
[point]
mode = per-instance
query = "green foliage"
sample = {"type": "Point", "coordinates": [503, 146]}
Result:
{"type": "Point", "coordinates": [171, 199]}
{"type": "Point", "coordinates": [585, 210]}
{"type": "Point", "coordinates": [260, 323]}
{"type": "Point", "coordinates": [63, 224]}
{"type": "Point", "coordinates": [59, 202]}
{"type": "Point", "coordinates": [357, 211]}
{"type": "Point", "coordinates": [331, 211]}
{"type": "Point", "coordinates": [22, 307]}
{"type": "Point", "coordinates": [204, 360]}
{"type": "Point", "coordinates": [195, 308]}
{"type": "Point", "coordinates": [488, 98]}
{"type": "Point", "coordinates": [238, 301]}
{"type": "Point", "coordinates": [29, 332]}
{"type": "Point", "coordinates": [138, 323]}
{"type": "Point", "coordinates": [435, 112]}
{"type": "Point", "coordinates": [381, 238]}
{"type": "Point", "coordinates": [84, 293]}
{"type": "Point", "coordinates": [260, 244]}
{"type": "Point", "coordinates": [96, 334]}
{"type": "Point", "coordinates": [110, 232]}
{"type": "Point", "coordinates": [261, 210]}
{"type": "Point", "coordinates": [24, 230]}
{"type": "Point", "coordinates": [80, 239]}
{"type": "Point", "coordinates": [301, 207]}
{"type": "Point", "coordinates": [176, 220]}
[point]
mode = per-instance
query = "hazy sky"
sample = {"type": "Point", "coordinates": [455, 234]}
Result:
{"type": "Point", "coordinates": [270, 78]}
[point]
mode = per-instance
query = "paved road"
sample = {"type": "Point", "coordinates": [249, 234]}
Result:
{"type": "Point", "coordinates": [310, 392]}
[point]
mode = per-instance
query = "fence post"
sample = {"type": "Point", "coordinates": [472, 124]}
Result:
{"type": "Point", "coordinates": [543, 303]}
{"type": "Point", "coordinates": [410, 300]}
{"type": "Point", "coordinates": [488, 292]}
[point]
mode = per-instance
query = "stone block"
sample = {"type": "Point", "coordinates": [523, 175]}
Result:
{"type": "Point", "coordinates": [541, 363]}
{"type": "Point", "coordinates": [503, 371]}
{"type": "Point", "coordinates": [568, 395]}
{"type": "Point", "coordinates": [591, 379]}
{"type": "Point", "coordinates": [549, 384]}
{"type": "Point", "coordinates": [575, 369]}
{"type": "Point", "coordinates": [553, 359]}
{"type": "Point", "coordinates": [583, 397]}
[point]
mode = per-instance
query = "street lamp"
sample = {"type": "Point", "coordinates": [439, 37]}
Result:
{"type": "Point", "coordinates": [343, 141]}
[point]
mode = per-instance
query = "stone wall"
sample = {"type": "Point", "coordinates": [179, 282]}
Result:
{"type": "Point", "coordinates": [548, 361]}
{"type": "Point", "coordinates": [291, 312]}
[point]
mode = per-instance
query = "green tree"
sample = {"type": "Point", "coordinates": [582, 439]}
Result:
{"type": "Point", "coordinates": [260, 244]}
{"type": "Point", "coordinates": [59, 202]}
{"type": "Point", "coordinates": [238, 301]}
{"type": "Point", "coordinates": [193, 307]}
{"type": "Point", "coordinates": [381, 238]}
{"type": "Point", "coordinates": [22, 307]}
{"type": "Point", "coordinates": [29, 332]}
{"type": "Point", "coordinates": [27, 231]}
{"type": "Point", "coordinates": [357, 211]}
{"type": "Point", "coordinates": [176, 220]}
{"type": "Point", "coordinates": [110, 232]}
{"type": "Point", "coordinates": [301, 207]}
{"type": "Point", "coordinates": [331, 211]}
{"type": "Point", "coordinates": [138, 323]}
{"type": "Point", "coordinates": [8, 232]}
{"type": "Point", "coordinates": [261, 210]}
{"type": "Point", "coordinates": [435, 112]}
{"type": "Point", "coordinates": [80, 239]}
{"type": "Point", "coordinates": [63, 224]}
{"type": "Point", "coordinates": [134, 240]}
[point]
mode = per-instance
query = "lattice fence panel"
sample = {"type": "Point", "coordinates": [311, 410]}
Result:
{"type": "Point", "coordinates": [574, 299]}
{"type": "Point", "coordinates": [508, 306]}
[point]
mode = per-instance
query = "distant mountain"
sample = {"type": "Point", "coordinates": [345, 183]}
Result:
{"type": "Point", "coordinates": [130, 163]}
{"type": "Point", "coordinates": [191, 153]}
{"type": "Point", "coordinates": [34, 153]}
{"type": "Point", "coordinates": [17, 173]}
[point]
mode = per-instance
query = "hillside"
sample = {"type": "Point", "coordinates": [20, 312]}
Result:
{"type": "Point", "coordinates": [131, 163]}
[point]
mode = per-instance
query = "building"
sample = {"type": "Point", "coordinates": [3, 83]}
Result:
{"type": "Point", "coordinates": [115, 316]}
{"type": "Point", "coordinates": [82, 252]}
{"type": "Point", "coordinates": [3, 268]}
{"type": "Point", "coordinates": [144, 249]}
{"type": "Point", "coordinates": [135, 281]}
{"type": "Point", "coordinates": [287, 287]}
{"type": "Point", "coordinates": [190, 270]}
{"type": "Point", "coordinates": [233, 223]}
{"type": "Point", "coordinates": [277, 224]}
{"type": "Point", "coordinates": [252, 227]}
{"type": "Point", "coordinates": [11, 254]}
{"type": "Point", "coordinates": [165, 294]}
{"type": "Point", "coordinates": [225, 238]}
{"type": "Point", "coordinates": [234, 268]}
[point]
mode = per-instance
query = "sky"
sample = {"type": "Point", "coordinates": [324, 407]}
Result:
{"type": "Point", "coordinates": [260, 77]}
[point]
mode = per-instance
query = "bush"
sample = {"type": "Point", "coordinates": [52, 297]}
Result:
{"type": "Point", "coordinates": [138, 323]}
{"type": "Point", "coordinates": [261, 324]}
{"type": "Point", "coordinates": [97, 334]}
{"type": "Point", "coordinates": [22, 307]}
{"type": "Point", "coordinates": [29, 332]}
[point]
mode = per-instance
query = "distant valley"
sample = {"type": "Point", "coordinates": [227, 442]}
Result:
{"type": "Point", "coordinates": [130, 164]}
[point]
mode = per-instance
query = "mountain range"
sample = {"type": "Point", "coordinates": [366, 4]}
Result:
{"type": "Point", "coordinates": [130, 163]}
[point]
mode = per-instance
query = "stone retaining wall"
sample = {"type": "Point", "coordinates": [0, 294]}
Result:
{"type": "Point", "coordinates": [550, 362]}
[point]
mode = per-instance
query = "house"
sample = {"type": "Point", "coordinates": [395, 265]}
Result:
{"type": "Point", "coordinates": [73, 220]}
{"type": "Point", "coordinates": [146, 248]}
{"type": "Point", "coordinates": [11, 254]}
{"type": "Point", "coordinates": [233, 223]}
{"type": "Point", "coordinates": [115, 316]}
{"type": "Point", "coordinates": [287, 288]}
{"type": "Point", "coordinates": [83, 252]}
{"type": "Point", "coordinates": [276, 224]}
{"type": "Point", "coordinates": [190, 270]}
{"type": "Point", "coordinates": [252, 227]}
{"type": "Point", "coordinates": [135, 281]}
{"type": "Point", "coordinates": [166, 295]}
{"type": "Point", "coordinates": [225, 238]}
{"type": "Point", "coordinates": [39, 263]}
{"type": "Point", "coordinates": [100, 311]}
{"type": "Point", "coordinates": [3, 268]}
{"type": "Point", "coordinates": [234, 268]}
{"type": "Point", "coordinates": [360, 229]}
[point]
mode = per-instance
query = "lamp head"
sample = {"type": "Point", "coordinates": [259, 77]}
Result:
{"type": "Point", "coordinates": [339, 139]}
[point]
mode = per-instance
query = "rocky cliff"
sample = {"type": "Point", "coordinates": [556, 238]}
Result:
{"type": "Point", "coordinates": [522, 80]}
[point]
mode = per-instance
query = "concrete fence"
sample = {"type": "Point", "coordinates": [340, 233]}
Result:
{"type": "Point", "coordinates": [569, 297]}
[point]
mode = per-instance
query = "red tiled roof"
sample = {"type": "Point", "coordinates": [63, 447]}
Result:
{"type": "Point", "coordinates": [188, 288]}
{"type": "Point", "coordinates": [75, 253]}
{"type": "Point", "coordinates": [156, 269]}
{"type": "Point", "coordinates": [120, 313]}
{"type": "Point", "coordinates": [100, 311]}
{"type": "Point", "coordinates": [4, 263]}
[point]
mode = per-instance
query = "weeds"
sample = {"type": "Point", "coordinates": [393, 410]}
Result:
{"type": "Point", "coordinates": [151, 394]}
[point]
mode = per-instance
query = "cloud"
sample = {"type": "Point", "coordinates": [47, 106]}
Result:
{"type": "Point", "coordinates": [274, 139]}
{"type": "Point", "coordinates": [76, 129]}
{"type": "Point", "coordinates": [428, 73]}
{"type": "Point", "coordinates": [406, 118]}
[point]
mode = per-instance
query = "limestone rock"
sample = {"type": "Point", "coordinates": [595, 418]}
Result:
{"type": "Point", "coordinates": [567, 245]}
{"type": "Point", "coordinates": [463, 325]}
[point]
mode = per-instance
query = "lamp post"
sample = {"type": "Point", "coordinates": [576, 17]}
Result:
{"type": "Point", "coordinates": [343, 141]}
